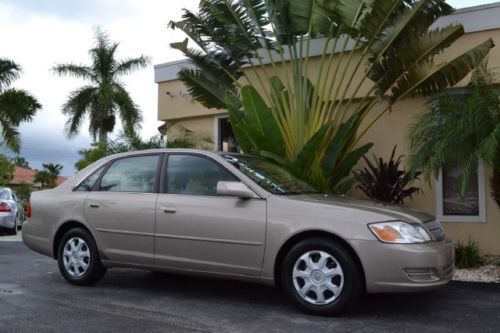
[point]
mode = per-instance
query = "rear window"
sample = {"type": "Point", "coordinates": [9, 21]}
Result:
{"type": "Point", "coordinates": [5, 195]}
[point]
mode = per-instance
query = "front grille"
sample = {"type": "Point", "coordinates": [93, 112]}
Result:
{"type": "Point", "coordinates": [435, 228]}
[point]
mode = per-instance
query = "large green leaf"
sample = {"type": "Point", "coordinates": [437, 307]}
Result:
{"type": "Point", "coordinates": [238, 125]}
{"type": "Point", "coordinates": [314, 16]}
{"type": "Point", "coordinates": [307, 155]}
{"type": "Point", "coordinates": [389, 69]}
{"type": "Point", "coordinates": [339, 143]}
{"type": "Point", "coordinates": [260, 123]}
{"type": "Point", "coordinates": [427, 79]}
{"type": "Point", "coordinates": [344, 166]}
{"type": "Point", "coordinates": [390, 33]}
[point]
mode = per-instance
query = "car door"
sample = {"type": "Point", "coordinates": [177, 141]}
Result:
{"type": "Point", "coordinates": [121, 209]}
{"type": "Point", "coordinates": [198, 230]}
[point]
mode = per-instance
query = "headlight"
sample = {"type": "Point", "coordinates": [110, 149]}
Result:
{"type": "Point", "coordinates": [399, 232]}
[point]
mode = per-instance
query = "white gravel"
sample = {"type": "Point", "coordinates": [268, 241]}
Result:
{"type": "Point", "coordinates": [490, 272]}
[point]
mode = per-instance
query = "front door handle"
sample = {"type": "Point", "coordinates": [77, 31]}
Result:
{"type": "Point", "coordinates": [94, 205]}
{"type": "Point", "coordinates": [170, 210]}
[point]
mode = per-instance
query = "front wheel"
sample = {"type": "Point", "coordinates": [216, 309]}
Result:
{"type": "Point", "coordinates": [78, 258]}
{"type": "Point", "coordinates": [321, 277]}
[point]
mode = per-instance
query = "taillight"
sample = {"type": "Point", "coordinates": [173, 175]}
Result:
{"type": "Point", "coordinates": [4, 207]}
{"type": "Point", "coordinates": [28, 210]}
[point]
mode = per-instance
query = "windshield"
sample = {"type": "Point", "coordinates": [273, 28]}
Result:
{"type": "Point", "coordinates": [269, 176]}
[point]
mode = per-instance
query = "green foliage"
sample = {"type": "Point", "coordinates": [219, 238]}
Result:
{"type": "Point", "coordinates": [6, 170]}
{"type": "Point", "coordinates": [385, 181]}
{"type": "Point", "coordinates": [130, 141]}
{"type": "Point", "coordinates": [467, 255]}
{"type": "Point", "coordinates": [105, 97]}
{"type": "Point", "coordinates": [44, 178]}
{"type": "Point", "coordinates": [23, 192]}
{"type": "Point", "coordinates": [460, 127]}
{"type": "Point", "coordinates": [16, 105]}
{"type": "Point", "coordinates": [20, 162]}
{"type": "Point", "coordinates": [48, 176]}
{"type": "Point", "coordinates": [311, 123]}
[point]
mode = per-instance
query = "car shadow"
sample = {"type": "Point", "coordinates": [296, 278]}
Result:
{"type": "Point", "coordinates": [248, 294]}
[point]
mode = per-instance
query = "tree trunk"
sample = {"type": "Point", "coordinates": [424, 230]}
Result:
{"type": "Point", "coordinates": [103, 136]}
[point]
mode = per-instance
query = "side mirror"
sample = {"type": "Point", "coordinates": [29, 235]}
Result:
{"type": "Point", "coordinates": [234, 189]}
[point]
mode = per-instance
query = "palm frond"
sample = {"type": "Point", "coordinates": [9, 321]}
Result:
{"type": "Point", "coordinates": [130, 113]}
{"type": "Point", "coordinates": [77, 71]}
{"type": "Point", "coordinates": [77, 106]}
{"type": "Point", "coordinates": [9, 71]}
{"type": "Point", "coordinates": [10, 135]}
{"type": "Point", "coordinates": [127, 66]}
{"type": "Point", "coordinates": [206, 91]}
{"type": "Point", "coordinates": [18, 105]}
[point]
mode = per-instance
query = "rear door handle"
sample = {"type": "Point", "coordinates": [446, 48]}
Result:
{"type": "Point", "coordinates": [170, 210]}
{"type": "Point", "coordinates": [94, 205]}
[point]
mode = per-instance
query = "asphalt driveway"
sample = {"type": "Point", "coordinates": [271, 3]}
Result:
{"type": "Point", "coordinates": [34, 297]}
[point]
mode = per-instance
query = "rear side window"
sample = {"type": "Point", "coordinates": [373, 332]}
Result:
{"type": "Point", "coordinates": [194, 175]}
{"type": "Point", "coordinates": [88, 184]}
{"type": "Point", "coordinates": [131, 174]}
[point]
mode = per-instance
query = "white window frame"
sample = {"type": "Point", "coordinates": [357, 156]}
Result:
{"type": "Point", "coordinates": [481, 218]}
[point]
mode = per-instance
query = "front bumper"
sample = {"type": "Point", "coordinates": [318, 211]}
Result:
{"type": "Point", "coordinates": [405, 267]}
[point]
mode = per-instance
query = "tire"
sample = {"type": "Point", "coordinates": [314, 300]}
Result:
{"type": "Point", "coordinates": [318, 266]}
{"type": "Point", "coordinates": [78, 258]}
{"type": "Point", "coordinates": [13, 231]}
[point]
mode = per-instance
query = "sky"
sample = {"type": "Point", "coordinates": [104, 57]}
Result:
{"type": "Point", "coordinates": [38, 34]}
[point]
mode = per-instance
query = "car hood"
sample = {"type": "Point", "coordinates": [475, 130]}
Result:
{"type": "Point", "coordinates": [392, 212]}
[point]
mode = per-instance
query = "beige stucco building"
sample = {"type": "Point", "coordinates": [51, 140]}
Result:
{"type": "Point", "coordinates": [478, 217]}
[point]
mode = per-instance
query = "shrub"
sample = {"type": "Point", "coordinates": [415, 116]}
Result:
{"type": "Point", "coordinates": [385, 181]}
{"type": "Point", "coordinates": [467, 255]}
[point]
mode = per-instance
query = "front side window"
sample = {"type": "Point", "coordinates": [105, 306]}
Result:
{"type": "Point", "coordinates": [131, 174]}
{"type": "Point", "coordinates": [194, 175]}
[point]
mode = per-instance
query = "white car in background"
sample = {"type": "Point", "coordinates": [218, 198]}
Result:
{"type": "Point", "coordinates": [11, 211]}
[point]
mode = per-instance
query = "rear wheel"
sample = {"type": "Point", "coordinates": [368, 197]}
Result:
{"type": "Point", "coordinates": [13, 231]}
{"type": "Point", "coordinates": [78, 258]}
{"type": "Point", "coordinates": [321, 277]}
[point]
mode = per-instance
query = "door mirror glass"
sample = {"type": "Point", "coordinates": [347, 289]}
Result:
{"type": "Point", "coordinates": [234, 189]}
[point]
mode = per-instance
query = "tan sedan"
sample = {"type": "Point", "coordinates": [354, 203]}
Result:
{"type": "Point", "coordinates": [234, 216]}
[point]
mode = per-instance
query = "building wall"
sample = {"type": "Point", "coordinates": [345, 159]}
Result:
{"type": "Point", "coordinates": [390, 130]}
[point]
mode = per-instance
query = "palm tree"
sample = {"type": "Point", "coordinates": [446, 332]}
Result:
{"type": "Point", "coordinates": [312, 123]}
{"type": "Point", "coordinates": [105, 97]}
{"type": "Point", "coordinates": [461, 129]}
{"type": "Point", "coordinates": [20, 162]}
{"type": "Point", "coordinates": [44, 178]}
{"type": "Point", "coordinates": [48, 176]}
{"type": "Point", "coordinates": [16, 105]}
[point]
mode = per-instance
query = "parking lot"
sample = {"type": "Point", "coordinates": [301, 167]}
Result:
{"type": "Point", "coordinates": [34, 297]}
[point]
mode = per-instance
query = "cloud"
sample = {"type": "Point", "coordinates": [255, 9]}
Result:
{"type": "Point", "coordinates": [93, 11]}
{"type": "Point", "coordinates": [39, 34]}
